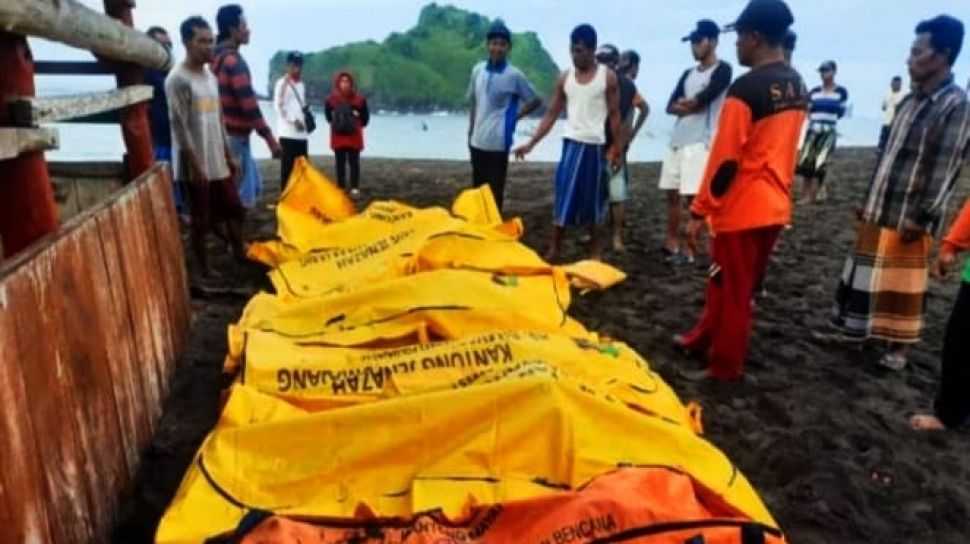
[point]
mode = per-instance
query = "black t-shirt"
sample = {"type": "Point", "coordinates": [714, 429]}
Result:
{"type": "Point", "coordinates": [628, 91]}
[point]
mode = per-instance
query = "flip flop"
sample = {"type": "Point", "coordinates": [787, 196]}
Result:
{"type": "Point", "coordinates": [893, 361]}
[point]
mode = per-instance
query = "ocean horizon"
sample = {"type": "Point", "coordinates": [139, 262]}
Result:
{"type": "Point", "coordinates": [433, 136]}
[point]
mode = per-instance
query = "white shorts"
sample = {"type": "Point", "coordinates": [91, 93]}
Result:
{"type": "Point", "coordinates": [683, 169]}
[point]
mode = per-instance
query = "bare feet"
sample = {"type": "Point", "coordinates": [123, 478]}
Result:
{"type": "Point", "coordinates": [618, 244]}
{"type": "Point", "coordinates": [926, 422]}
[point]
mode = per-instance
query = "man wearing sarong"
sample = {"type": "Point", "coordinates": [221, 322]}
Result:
{"type": "Point", "coordinates": [827, 105]}
{"type": "Point", "coordinates": [883, 287]}
{"type": "Point", "coordinates": [589, 92]}
{"type": "Point", "coordinates": [746, 190]}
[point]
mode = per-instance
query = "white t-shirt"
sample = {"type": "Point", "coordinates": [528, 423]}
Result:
{"type": "Point", "coordinates": [889, 105]}
{"type": "Point", "coordinates": [586, 108]}
{"type": "Point", "coordinates": [196, 117]}
{"type": "Point", "coordinates": [287, 99]}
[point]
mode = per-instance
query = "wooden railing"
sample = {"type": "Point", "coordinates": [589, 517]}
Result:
{"type": "Point", "coordinates": [94, 313]}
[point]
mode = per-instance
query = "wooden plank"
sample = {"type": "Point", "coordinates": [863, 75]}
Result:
{"type": "Point", "coordinates": [72, 23]}
{"type": "Point", "coordinates": [73, 68]}
{"type": "Point", "coordinates": [97, 169]}
{"type": "Point", "coordinates": [164, 220]}
{"type": "Point", "coordinates": [155, 294]}
{"type": "Point", "coordinates": [77, 328]}
{"type": "Point", "coordinates": [23, 496]}
{"type": "Point", "coordinates": [128, 382]}
{"type": "Point", "coordinates": [49, 387]}
{"type": "Point", "coordinates": [35, 111]}
{"type": "Point", "coordinates": [134, 250]}
{"type": "Point", "coordinates": [15, 142]}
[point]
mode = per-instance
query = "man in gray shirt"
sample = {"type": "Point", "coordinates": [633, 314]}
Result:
{"type": "Point", "coordinates": [200, 151]}
{"type": "Point", "coordinates": [696, 102]}
{"type": "Point", "coordinates": [500, 95]}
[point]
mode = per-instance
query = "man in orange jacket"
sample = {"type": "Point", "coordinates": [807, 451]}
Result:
{"type": "Point", "coordinates": [952, 407]}
{"type": "Point", "coordinates": [746, 192]}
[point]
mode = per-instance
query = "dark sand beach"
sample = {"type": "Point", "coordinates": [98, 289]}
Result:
{"type": "Point", "coordinates": [820, 431]}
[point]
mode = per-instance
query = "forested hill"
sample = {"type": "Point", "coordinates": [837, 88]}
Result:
{"type": "Point", "coordinates": [424, 69]}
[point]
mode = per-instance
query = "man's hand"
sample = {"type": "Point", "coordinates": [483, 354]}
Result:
{"type": "Point", "coordinates": [944, 263]}
{"type": "Point", "coordinates": [615, 157]}
{"type": "Point", "coordinates": [274, 147]}
{"type": "Point", "coordinates": [912, 231]}
{"type": "Point", "coordinates": [689, 105]}
{"type": "Point", "coordinates": [195, 173]}
{"type": "Point", "coordinates": [523, 150]}
{"type": "Point", "coordinates": [235, 171]}
{"type": "Point", "coordinates": [299, 125]}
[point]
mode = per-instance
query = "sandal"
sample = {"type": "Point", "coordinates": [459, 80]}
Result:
{"type": "Point", "coordinates": [893, 361]}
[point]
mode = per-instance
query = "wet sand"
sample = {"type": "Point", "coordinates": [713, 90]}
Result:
{"type": "Point", "coordinates": [821, 431]}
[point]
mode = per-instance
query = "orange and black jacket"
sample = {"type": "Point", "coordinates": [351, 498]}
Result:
{"type": "Point", "coordinates": [748, 180]}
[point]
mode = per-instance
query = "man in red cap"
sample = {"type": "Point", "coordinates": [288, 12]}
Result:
{"type": "Point", "coordinates": [746, 189]}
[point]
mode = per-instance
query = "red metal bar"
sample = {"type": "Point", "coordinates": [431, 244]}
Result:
{"type": "Point", "coordinates": [27, 207]}
{"type": "Point", "coordinates": [134, 119]}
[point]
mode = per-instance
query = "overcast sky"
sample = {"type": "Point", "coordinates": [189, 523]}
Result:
{"type": "Point", "coordinates": [868, 38]}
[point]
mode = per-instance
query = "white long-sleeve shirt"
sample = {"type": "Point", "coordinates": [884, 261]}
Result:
{"type": "Point", "coordinates": [287, 97]}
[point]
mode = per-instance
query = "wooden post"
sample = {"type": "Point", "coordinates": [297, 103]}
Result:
{"type": "Point", "coordinates": [134, 119]}
{"type": "Point", "coordinates": [27, 207]}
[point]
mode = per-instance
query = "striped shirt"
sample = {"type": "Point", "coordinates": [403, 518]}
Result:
{"type": "Point", "coordinates": [826, 107]}
{"type": "Point", "coordinates": [240, 107]}
{"type": "Point", "coordinates": [926, 149]}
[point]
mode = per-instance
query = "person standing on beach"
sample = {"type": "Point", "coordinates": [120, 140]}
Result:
{"type": "Point", "coordinates": [789, 43]}
{"type": "Point", "coordinates": [889, 105]}
{"type": "Point", "coordinates": [618, 181]}
{"type": "Point", "coordinates": [201, 154]}
{"type": "Point", "coordinates": [158, 117]}
{"type": "Point", "coordinates": [240, 106]}
{"type": "Point", "coordinates": [590, 94]}
{"type": "Point", "coordinates": [882, 293]}
{"type": "Point", "coordinates": [746, 191]}
{"type": "Point", "coordinates": [630, 68]}
{"type": "Point", "coordinates": [289, 98]}
{"type": "Point", "coordinates": [348, 114]}
{"type": "Point", "coordinates": [952, 406]}
{"type": "Point", "coordinates": [827, 105]}
{"type": "Point", "coordinates": [500, 96]}
{"type": "Point", "coordinates": [696, 102]}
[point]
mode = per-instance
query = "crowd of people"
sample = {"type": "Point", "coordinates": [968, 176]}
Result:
{"type": "Point", "coordinates": [737, 147]}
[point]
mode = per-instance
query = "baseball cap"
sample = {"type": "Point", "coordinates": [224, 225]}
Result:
{"type": "Point", "coordinates": [770, 17]}
{"type": "Point", "coordinates": [294, 57]}
{"type": "Point", "coordinates": [499, 30]}
{"type": "Point", "coordinates": [828, 65]}
{"type": "Point", "coordinates": [608, 53]}
{"type": "Point", "coordinates": [706, 28]}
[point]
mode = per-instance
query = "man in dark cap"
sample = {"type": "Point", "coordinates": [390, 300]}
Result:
{"type": "Point", "coordinates": [696, 102]}
{"type": "Point", "coordinates": [827, 104]}
{"type": "Point", "coordinates": [791, 39]}
{"type": "Point", "coordinates": [500, 96]}
{"type": "Point", "coordinates": [618, 181]}
{"type": "Point", "coordinates": [745, 195]}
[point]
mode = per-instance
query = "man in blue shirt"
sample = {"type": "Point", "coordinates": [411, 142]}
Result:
{"type": "Point", "coordinates": [827, 104]}
{"type": "Point", "coordinates": [158, 113]}
{"type": "Point", "coordinates": [500, 95]}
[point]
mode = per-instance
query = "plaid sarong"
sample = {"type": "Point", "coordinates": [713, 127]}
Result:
{"type": "Point", "coordinates": [882, 293]}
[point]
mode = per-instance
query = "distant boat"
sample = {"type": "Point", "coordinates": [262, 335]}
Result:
{"type": "Point", "coordinates": [440, 113]}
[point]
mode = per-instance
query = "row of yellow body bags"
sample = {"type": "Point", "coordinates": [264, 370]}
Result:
{"type": "Point", "coordinates": [416, 378]}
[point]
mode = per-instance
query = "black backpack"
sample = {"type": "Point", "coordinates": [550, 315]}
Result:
{"type": "Point", "coordinates": [343, 119]}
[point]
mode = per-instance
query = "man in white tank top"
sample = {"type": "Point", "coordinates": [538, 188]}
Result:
{"type": "Point", "coordinates": [589, 92]}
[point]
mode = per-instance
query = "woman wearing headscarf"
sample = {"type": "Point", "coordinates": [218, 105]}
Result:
{"type": "Point", "coordinates": [347, 113]}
